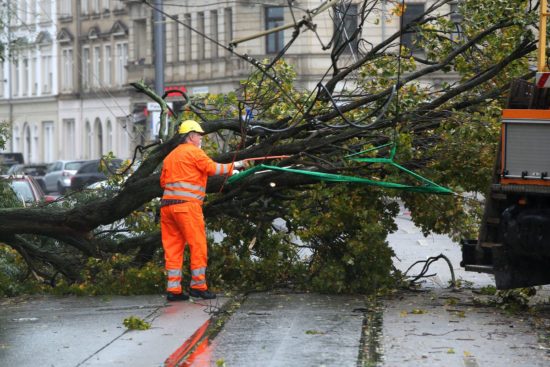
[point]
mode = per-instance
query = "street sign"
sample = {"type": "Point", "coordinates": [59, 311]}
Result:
{"type": "Point", "coordinates": [155, 107]}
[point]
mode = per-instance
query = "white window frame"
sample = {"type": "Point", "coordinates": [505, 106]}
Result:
{"type": "Point", "coordinates": [16, 78]}
{"type": "Point", "coordinates": [214, 33]}
{"type": "Point", "coordinates": [88, 141]}
{"type": "Point", "coordinates": [67, 69]}
{"type": "Point", "coordinates": [83, 7]}
{"type": "Point", "coordinates": [69, 136]}
{"type": "Point", "coordinates": [228, 27]}
{"type": "Point", "coordinates": [25, 83]}
{"type": "Point", "coordinates": [109, 137]}
{"type": "Point", "coordinates": [96, 66]}
{"type": "Point", "coordinates": [86, 67]}
{"type": "Point", "coordinates": [47, 73]}
{"type": "Point", "coordinates": [48, 139]}
{"type": "Point", "coordinates": [121, 60]}
{"type": "Point", "coordinates": [66, 8]}
{"type": "Point", "coordinates": [107, 66]}
{"type": "Point", "coordinates": [187, 36]}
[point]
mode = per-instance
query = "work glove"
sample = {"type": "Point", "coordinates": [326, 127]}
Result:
{"type": "Point", "coordinates": [239, 165]}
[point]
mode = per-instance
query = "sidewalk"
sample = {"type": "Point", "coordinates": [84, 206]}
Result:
{"type": "Point", "coordinates": [88, 331]}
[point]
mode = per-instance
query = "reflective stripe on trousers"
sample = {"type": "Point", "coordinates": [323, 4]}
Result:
{"type": "Point", "coordinates": [198, 278]}
{"type": "Point", "coordinates": [173, 284]}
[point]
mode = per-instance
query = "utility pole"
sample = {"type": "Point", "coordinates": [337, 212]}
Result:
{"type": "Point", "coordinates": [158, 38]}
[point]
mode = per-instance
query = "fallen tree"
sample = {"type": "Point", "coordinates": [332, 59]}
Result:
{"type": "Point", "coordinates": [444, 131]}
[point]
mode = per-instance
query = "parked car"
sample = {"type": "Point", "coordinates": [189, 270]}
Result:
{"type": "Point", "coordinates": [9, 159]}
{"type": "Point", "coordinates": [58, 177]}
{"type": "Point", "coordinates": [90, 173]}
{"type": "Point", "coordinates": [36, 170]}
{"type": "Point", "coordinates": [27, 189]}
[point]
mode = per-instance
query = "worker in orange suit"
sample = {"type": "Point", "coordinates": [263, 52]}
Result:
{"type": "Point", "coordinates": [184, 174]}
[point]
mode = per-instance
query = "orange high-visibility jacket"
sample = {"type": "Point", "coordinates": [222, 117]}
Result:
{"type": "Point", "coordinates": [185, 172]}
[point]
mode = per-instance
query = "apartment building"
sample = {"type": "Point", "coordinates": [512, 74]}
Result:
{"type": "Point", "coordinates": [93, 95]}
{"type": "Point", "coordinates": [82, 54]}
{"type": "Point", "coordinates": [28, 82]}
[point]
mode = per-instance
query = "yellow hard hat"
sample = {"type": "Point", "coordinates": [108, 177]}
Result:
{"type": "Point", "coordinates": [190, 125]}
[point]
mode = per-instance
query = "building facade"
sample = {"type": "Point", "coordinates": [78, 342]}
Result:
{"type": "Point", "coordinates": [93, 98]}
{"type": "Point", "coordinates": [28, 90]}
{"type": "Point", "coordinates": [68, 96]}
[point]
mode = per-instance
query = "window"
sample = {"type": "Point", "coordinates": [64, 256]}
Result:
{"type": "Point", "coordinates": [34, 78]}
{"type": "Point", "coordinates": [16, 139]}
{"type": "Point", "coordinates": [25, 84]}
{"type": "Point", "coordinates": [107, 62]}
{"type": "Point", "coordinates": [69, 138]}
{"type": "Point", "coordinates": [34, 147]}
{"type": "Point", "coordinates": [412, 11]}
{"type": "Point", "coordinates": [345, 25]}
{"type": "Point", "coordinates": [66, 8]}
{"type": "Point", "coordinates": [48, 74]}
{"type": "Point", "coordinates": [47, 71]}
{"type": "Point", "coordinates": [187, 37]}
{"type": "Point", "coordinates": [109, 137]}
{"type": "Point", "coordinates": [106, 5]}
{"type": "Point", "coordinates": [96, 61]}
{"type": "Point", "coordinates": [228, 27]}
{"type": "Point", "coordinates": [16, 77]}
{"type": "Point", "coordinates": [27, 142]}
{"type": "Point", "coordinates": [175, 40]}
{"type": "Point", "coordinates": [200, 39]}
{"type": "Point", "coordinates": [140, 43]}
{"type": "Point", "coordinates": [46, 7]}
{"type": "Point", "coordinates": [47, 127]}
{"type": "Point", "coordinates": [456, 18]}
{"type": "Point", "coordinates": [214, 33]}
{"type": "Point", "coordinates": [67, 69]}
{"type": "Point", "coordinates": [95, 6]}
{"type": "Point", "coordinates": [121, 59]}
{"type": "Point", "coordinates": [123, 141]}
{"type": "Point", "coordinates": [85, 68]}
{"type": "Point", "coordinates": [98, 148]}
{"type": "Point", "coordinates": [22, 13]}
{"type": "Point", "coordinates": [274, 17]}
{"type": "Point", "coordinates": [119, 5]}
{"type": "Point", "coordinates": [83, 7]}
{"type": "Point", "coordinates": [88, 141]}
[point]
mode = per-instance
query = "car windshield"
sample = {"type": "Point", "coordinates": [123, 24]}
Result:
{"type": "Point", "coordinates": [73, 166]}
{"type": "Point", "coordinates": [23, 190]}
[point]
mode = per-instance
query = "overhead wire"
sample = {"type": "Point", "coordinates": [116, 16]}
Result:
{"type": "Point", "coordinates": [244, 57]}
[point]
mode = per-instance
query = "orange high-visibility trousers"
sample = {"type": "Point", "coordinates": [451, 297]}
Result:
{"type": "Point", "coordinates": [183, 224]}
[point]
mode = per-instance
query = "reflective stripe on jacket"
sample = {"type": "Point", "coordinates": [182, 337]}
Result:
{"type": "Point", "coordinates": [185, 172]}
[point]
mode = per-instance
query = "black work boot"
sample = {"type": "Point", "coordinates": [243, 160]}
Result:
{"type": "Point", "coordinates": [176, 297]}
{"type": "Point", "coordinates": [195, 293]}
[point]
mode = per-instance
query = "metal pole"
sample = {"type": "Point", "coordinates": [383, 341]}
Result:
{"type": "Point", "coordinates": [158, 31]}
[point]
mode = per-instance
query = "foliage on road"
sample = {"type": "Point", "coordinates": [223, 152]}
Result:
{"type": "Point", "coordinates": [135, 323]}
